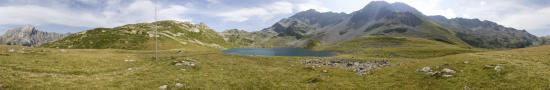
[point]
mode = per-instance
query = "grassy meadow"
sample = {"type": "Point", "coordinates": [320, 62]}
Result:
{"type": "Point", "coordinates": [23, 68]}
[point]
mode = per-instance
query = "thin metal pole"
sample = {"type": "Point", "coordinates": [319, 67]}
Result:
{"type": "Point", "coordinates": [156, 31]}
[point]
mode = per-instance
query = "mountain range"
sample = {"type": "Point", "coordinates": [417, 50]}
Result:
{"type": "Point", "coordinates": [380, 18]}
{"type": "Point", "coordinates": [28, 35]}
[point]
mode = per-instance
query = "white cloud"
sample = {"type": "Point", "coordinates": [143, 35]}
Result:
{"type": "Point", "coordinates": [115, 14]}
{"type": "Point", "coordinates": [482, 3]}
{"type": "Point", "coordinates": [535, 20]}
{"type": "Point", "coordinates": [312, 4]}
{"type": "Point", "coordinates": [213, 1]}
{"type": "Point", "coordinates": [266, 12]}
{"type": "Point", "coordinates": [36, 14]}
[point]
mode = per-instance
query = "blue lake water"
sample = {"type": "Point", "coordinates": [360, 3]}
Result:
{"type": "Point", "coordinates": [278, 52]}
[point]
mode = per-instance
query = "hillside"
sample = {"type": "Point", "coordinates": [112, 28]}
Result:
{"type": "Point", "coordinates": [172, 35]}
{"type": "Point", "coordinates": [545, 40]}
{"type": "Point", "coordinates": [28, 36]}
{"type": "Point", "coordinates": [238, 38]}
{"type": "Point", "coordinates": [487, 34]}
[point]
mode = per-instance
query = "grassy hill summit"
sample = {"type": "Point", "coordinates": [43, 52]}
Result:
{"type": "Point", "coordinates": [171, 35]}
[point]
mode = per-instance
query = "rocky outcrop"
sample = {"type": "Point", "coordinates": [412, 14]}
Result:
{"type": "Point", "coordinates": [28, 36]}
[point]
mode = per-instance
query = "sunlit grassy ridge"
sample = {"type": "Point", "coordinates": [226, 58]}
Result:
{"type": "Point", "coordinates": [172, 35]}
{"type": "Point", "coordinates": [110, 69]}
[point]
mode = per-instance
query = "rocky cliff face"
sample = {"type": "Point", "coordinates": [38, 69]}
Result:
{"type": "Point", "coordinates": [28, 36]}
{"type": "Point", "coordinates": [391, 19]}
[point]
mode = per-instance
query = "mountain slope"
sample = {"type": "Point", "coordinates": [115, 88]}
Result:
{"type": "Point", "coordinates": [172, 35]}
{"type": "Point", "coordinates": [377, 18]}
{"type": "Point", "coordinates": [545, 40]}
{"type": "Point", "coordinates": [388, 19]}
{"type": "Point", "coordinates": [487, 34]}
{"type": "Point", "coordinates": [28, 36]}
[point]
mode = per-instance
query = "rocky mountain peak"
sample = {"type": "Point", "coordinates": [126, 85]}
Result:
{"type": "Point", "coordinates": [377, 6]}
{"type": "Point", "coordinates": [28, 35]}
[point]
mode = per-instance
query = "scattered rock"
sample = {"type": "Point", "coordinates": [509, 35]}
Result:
{"type": "Point", "coordinates": [63, 50]}
{"type": "Point", "coordinates": [185, 63]}
{"type": "Point", "coordinates": [163, 87]}
{"type": "Point", "coordinates": [130, 69]}
{"type": "Point", "coordinates": [445, 72]}
{"type": "Point", "coordinates": [466, 88]}
{"type": "Point", "coordinates": [11, 50]}
{"type": "Point", "coordinates": [497, 67]}
{"type": "Point", "coordinates": [129, 60]}
{"type": "Point", "coordinates": [325, 71]}
{"type": "Point", "coordinates": [179, 85]}
{"type": "Point", "coordinates": [361, 67]}
{"type": "Point", "coordinates": [446, 75]}
{"type": "Point", "coordinates": [466, 62]}
{"type": "Point", "coordinates": [426, 69]}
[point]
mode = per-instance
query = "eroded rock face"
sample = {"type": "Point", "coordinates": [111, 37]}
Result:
{"type": "Point", "coordinates": [28, 36]}
{"type": "Point", "coordinates": [361, 67]}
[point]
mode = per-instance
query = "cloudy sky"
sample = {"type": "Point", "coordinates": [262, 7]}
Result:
{"type": "Point", "coordinates": [251, 15]}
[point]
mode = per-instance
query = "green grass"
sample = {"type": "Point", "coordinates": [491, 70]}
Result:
{"type": "Point", "coordinates": [397, 47]}
{"type": "Point", "coordinates": [42, 68]}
